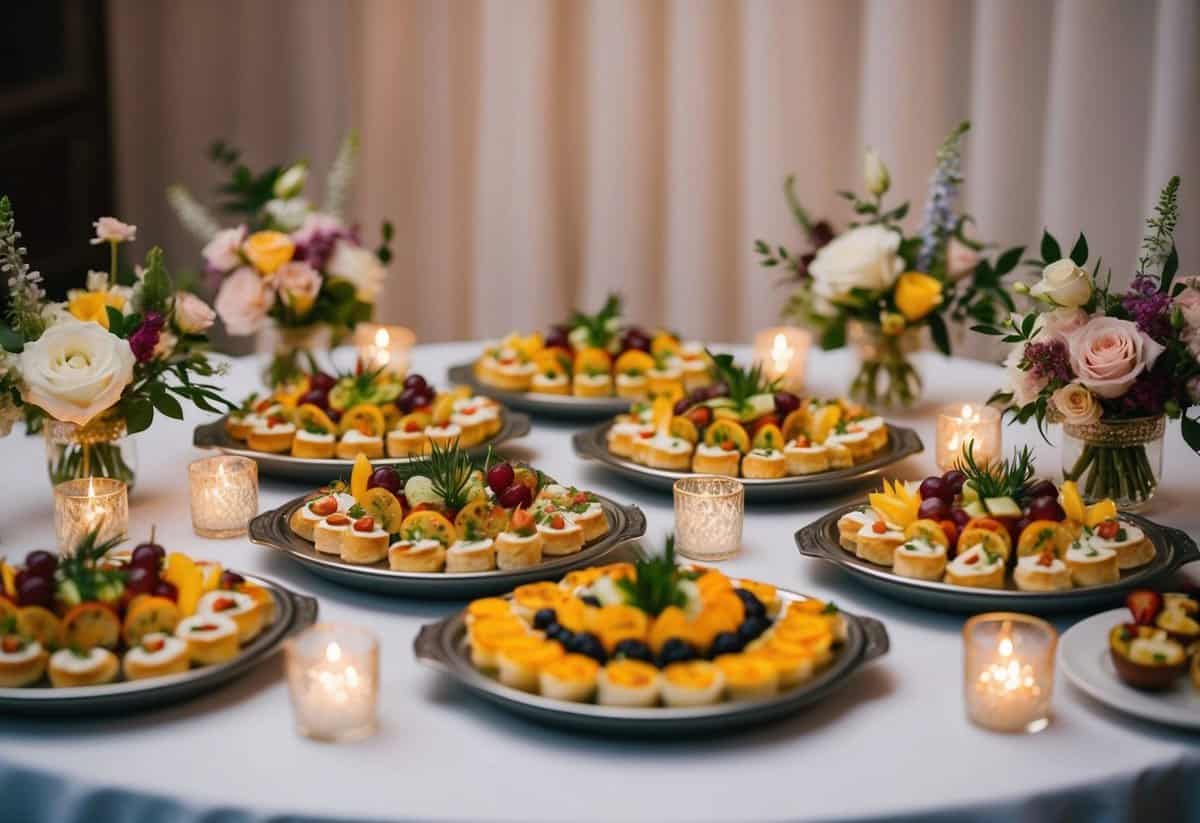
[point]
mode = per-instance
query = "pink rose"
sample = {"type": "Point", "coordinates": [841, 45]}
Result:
{"type": "Point", "coordinates": [298, 285]}
{"type": "Point", "coordinates": [192, 315]}
{"type": "Point", "coordinates": [1060, 323]}
{"type": "Point", "coordinates": [112, 230]}
{"type": "Point", "coordinates": [1108, 354]}
{"type": "Point", "coordinates": [243, 301]}
{"type": "Point", "coordinates": [961, 259]}
{"type": "Point", "coordinates": [316, 225]}
{"type": "Point", "coordinates": [223, 252]}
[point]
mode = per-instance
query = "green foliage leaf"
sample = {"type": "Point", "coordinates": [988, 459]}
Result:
{"type": "Point", "coordinates": [165, 403]}
{"type": "Point", "coordinates": [1170, 268]}
{"type": "Point", "coordinates": [116, 321]}
{"type": "Point", "coordinates": [1008, 261]}
{"type": "Point", "coordinates": [1191, 432]}
{"type": "Point", "coordinates": [138, 412]}
{"type": "Point", "coordinates": [10, 340]}
{"type": "Point", "coordinates": [1050, 248]}
{"type": "Point", "coordinates": [833, 336]}
{"type": "Point", "coordinates": [939, 333]}
{"type": "Point", "coordinates": [1079, 252]}
{"type": "Point", "coordinates": [156, 284]}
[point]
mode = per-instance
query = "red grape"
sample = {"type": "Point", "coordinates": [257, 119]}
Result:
{"type": "Point", "coordinates": [1017, 527]}
{"type": "Point", "coordinates": [165, 588]}
{"type": "Point", "coordinates": [148, 556]}
{"type": "Point", "coordinates": [415, 381]}
{"type": "Point", "coordinates": [682, 405]}
{"type": "Point", "coordinates": [322, 381]}
{"type": "Point", "coordinates": [635, 338]}
{"type": "Point", "coordinates": [35, 591]}
{"type": "Point", "coordinates": [933, 487]}
{"type": "Point", "coordinates": [960, 517]}
{"type": "Point", "coordinates": [1046, 508]}
{"type": "Point", "coordinates": [1042, 488]}
{"type": "Point", "coordinates": [516, 495]}
{"type": "Point", "coordinates": [141, 580]}
{"type": "Point", "coordinates": [315, 397]}
{"type": "Point", "coordinates": [786, 403]}
{"type": "Point", "coordinates": [422, 398]}
{"type": "Point", "coordinates": [385, 477]}
{"type": "Point", "coordinates": [41, 563]}
{"type": "Point", "coordinates": [231, 580]}
{"type": "Point", "coordinates": [954, 479]}
{"type": "Point", "coordinates": [933, 508]}
{"type": "Point", "coordinates": [500, 477]}
{"type": "Point", "coordinates": [557, 338]}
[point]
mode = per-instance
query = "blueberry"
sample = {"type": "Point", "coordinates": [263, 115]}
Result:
{"type": "Point", "coordinates": [750, 602]}
{"type": "Point", "coordinates": [726, 643]}
{"type": "Point", "coordinates": [562, 635]}
{"type": "Point", "coordinates": [634, 650]}
{"type": "Point", "coordinates": [589, 645]}
{"type": "Point", "coordinates": [544, 618]}
{"type": "Point", "coordinates": [591, 600]}
{"type": "Point", "coordinates": [676, 650]}
{"type": "Point", "coordinates": [751, 628]}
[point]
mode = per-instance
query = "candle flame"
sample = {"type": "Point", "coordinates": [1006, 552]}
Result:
{"type": "Point", "coordinates": [333, 652]}
{"type": "Point", "coordinates": [969, 414]}
{"type": "Point", "coordinates": [91, 487]}
{"type": "Point", "coordinates": [781, 353]}
{"type": "Point", "coordinates": [382, 338]}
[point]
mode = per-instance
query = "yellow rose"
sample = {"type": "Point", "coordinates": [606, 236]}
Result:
{"type": "Point", "coordinates": [917, 295]}
{"type": "Point", "coordinates": [92, 306]}
{"type": "Point", "coordinates": [268, 250]}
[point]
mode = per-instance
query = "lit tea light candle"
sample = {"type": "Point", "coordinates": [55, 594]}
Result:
{"type": "Point", "coordinates": [90, 504]}
{"type": "Point", "coordinates": [224, 495]}
{"type": "Point", "coordinates": [782, 352]}
{"type": "Point", "coordinates": [708, 517]}
{"type": "Point", "coordinates": [964, 424]}
{"type": "Point", "coordinates": [1009, 671]}
{"type": "Point", "coordinates": [333, 679]}
{"type": "Point", "coordinates": [384, 347]}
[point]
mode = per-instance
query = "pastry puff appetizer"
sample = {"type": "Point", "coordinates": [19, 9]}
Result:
{"type": "Point", "coordinates": [241, 608]}
{"type": "Point", "coordinates": [73, 667]}
{"type": "Point", "coordinates": [520, 545]}
{"type": "Point", "coordinates": [156, 655]}
{"type": "Point", "coordinates": [977, 567]}
{"type": "Point", "coordinates": [22, 661]}
{"type": "Point", "coordinates": [211, 638]}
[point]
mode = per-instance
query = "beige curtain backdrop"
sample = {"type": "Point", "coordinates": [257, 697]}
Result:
{"type": "Point", "coordinates": [536, 154]}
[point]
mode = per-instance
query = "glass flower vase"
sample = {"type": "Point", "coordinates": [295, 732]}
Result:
{"type": "Point", "coordinates": [1118, 459]}
{"type": "Point", "coordinates": [100, 448]}
{"type": "Point", "coordinates": [286, 350]}
{"type": "Point", "coordinates": [886, 376]}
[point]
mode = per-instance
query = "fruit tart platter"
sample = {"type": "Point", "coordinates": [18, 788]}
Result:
{"type": "Point", "coordinates": [592, 366]}
{"type": "Point", "coordinates": [317, 425]}
{"type": "Point", "coordinates": [994, 536]}
{"type": "Point", "coordinates": [446, 525]}
{"type": "Point", "coordinates": [651, 647]}
{"type": "Point", "coordinates": [1143, 660]}
{"type": "Point", "coordinates": [742, 425]}
{"type": "Point", "coordinates": [102, 629]}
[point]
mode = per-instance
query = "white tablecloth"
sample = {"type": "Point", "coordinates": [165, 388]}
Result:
{"type": "Point", "coordinates": [894, 742]}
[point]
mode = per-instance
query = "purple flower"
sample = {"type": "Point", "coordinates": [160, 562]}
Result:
{"type": "Point", "coordinates": [316, 239]}
{"type": "Point", "coordinates": [1149, 393]}
{"type": "Point", "coordinates": [1050, 361]}
{"type": "Point", "coordinates": [1149, 307]}
{"type": "Point", "coordinates": [145, 339]}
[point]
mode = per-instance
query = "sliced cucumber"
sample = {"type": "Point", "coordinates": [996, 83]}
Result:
{"type": "Point", "coordinates": [419, 489]}
{"type": "Point", "coordinates": [1002, 507]}
{"type": "Point", "coordinates": [759, 404]}
{"type": "Point", "coordinates": [968, 493]}
{"type": "Point", "coordinates": [974, 509]}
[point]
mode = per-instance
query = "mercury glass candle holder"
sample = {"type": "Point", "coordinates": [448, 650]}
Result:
{"type": "Point", "coordinates": [90, 504]}
{"type": "Point", "coordinates": [1008, 671]}
{"type": "Point", "coordinates": [783, 353]}
{"type": "Point", "coordinates": [963, 424]}
{"type": "Point", "coordinates": [224, 495]}
{"type": "Point", "coordinates": [709, 512]}
{"type": "Point", "coordinates": [333, 680]}
{"type": "Point", "coordinates": [384, 347]}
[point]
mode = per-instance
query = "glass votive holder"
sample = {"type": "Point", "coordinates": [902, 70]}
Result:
{"type": "Point", "coordinates": [90, 504]}
{"type": "Point", "coordinates": [708, 517]}
{"type": "Point", "coordinates": [1008, 671]}
{"type": "Point", "coordinates": [384, 347]}
{"type": "Point", "coordinates": [224, 495]}
{"type": "Point", "coordinates": [333, 680]}
{"type": "Point", "coordinates": [783, 353]}
{"type": "Point", "coordinates": [967, 424]}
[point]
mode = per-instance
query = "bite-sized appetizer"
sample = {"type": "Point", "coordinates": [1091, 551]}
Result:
{"type": "Point", "coordinates": [272, 434]}
{"type": "Point", "coordinates": [155, 655]}
{"type": "Point", "coordinates": [877, 541]}
{"type": "Point", "coordinates": [1146, 658]}
{"type": "Point", "coordinates": [75, 667]}
{"type": "Point", "coordinates": [210, 638]}
{"type": "Point", "coordinates": [722, 459]}
{"type": "Point", "coordinates": [977, 568]}
{"type": "Point", "coordinates": [851, 523]}
{"type": "Point", "coordinates": [1092, 565]}
{"type": "Point", "coordinates": [802, 457]}
{"type": "Point", "coordinates": [748, 676]}
{"type": "Point", "coordinates": [628, 682]}
{"type": "Point", "coordinates": [920, 558]}
{"type": "Point", "coordinates": [328, 533]}
{"type": "Point", "coordinates": [365, 542]}
{"type": "Point", "coordinates": [355, 442]}
{"type": "Point", "coordinates": [622, 435]}
{"type": "Point", "coordinates": [22, 661]}
{"type": "Point", "coordinates": [520, 545]}
{"type": "Point", "coordinates": [239, 607]}
{"type": "Point", "coordinates": [417, 556]}
{"type": "Point", "coordinates": [408, 438]}
{"type": "Point", "coordinates": [571, 677]}
{"type": "Point", "coordinates": [1131, 544]}
{"type": "Point", "coordinates": [559, 535]}
{"type": "Point", "coordinates": [520, 660]}
{"type": "Point", "coordinates": [1043, 572]}
{"type": "Point", "coordinates": [694, 683]}
{"type": "Point", "coordinates": [304, 520]}
{"type": "Point", "coordinates": [478, 555]}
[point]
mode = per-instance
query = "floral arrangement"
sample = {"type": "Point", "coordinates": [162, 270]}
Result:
{"type": "Point", "coordinates": [1088, 356]}
{"type": "Point", "coordinates": [300, 266]}
{"type": "Point", "coordinates": [882, 282]}
{"type": "Point", "coordinates": [107, 358]}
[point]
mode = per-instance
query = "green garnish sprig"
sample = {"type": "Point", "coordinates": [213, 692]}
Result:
{"type": "Point", "coordinates": [599, 334]}
{"type": "Point", "coordinates": [1005, 478]}
{"type": "Point", "coordinates": [656, 586]}
{"type": "Point", "coordinates": [449, 469]}
{"type": "Point", "coordinates": [81, 567]}
{"type": "Point", "coordinates": [741, 383]}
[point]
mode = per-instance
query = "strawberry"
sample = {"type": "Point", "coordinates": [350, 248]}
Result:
{"type": "Point", "coordinates": [557, 522]}
{"type": "Point", "coordinates": [325, 506]}
{"type": "Point", "coordinates": [337, 520]}
{"type": "Point", "coordinates": [1144, 605]}
{"type": "Point", "coordinates": [728, 445]}
{"type": "Point", "coordinates": [412, 426]}
{"type": "Point", "coordinates": [11, 644]}
{"type": "Point", "coordinates": [1108, 529]}
{"type": "Point", "coordinates": [521, 519]}
{"type": "Point", "coordinates": [879, 527]}
{"type": "Point", "coordinates": [221, 604]}
{"type": "Point", "coordinates": [701, 416]}
{"type": "Point", "coordinates": [365, 524]}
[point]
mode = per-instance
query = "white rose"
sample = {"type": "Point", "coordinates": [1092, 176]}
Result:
{"type": "Point", "coordinates": [192, 315]}
{"type": "Point", "coordinates": [222, 253]}
{"type": "Point", "coordinates": [875, 173]}
{"type": "Point", "coordinates": [75, 370]}
{"type": "Point", "coordinates": [291, 182]}
{"type": "Point", "coordinates": [1063, 284]}
{"type": "Point", "coordinates": [863, 258]}
{"type": "Point", "coordinates": [243, 301]}
{"type": "Point", "coordinates": [358, 265]}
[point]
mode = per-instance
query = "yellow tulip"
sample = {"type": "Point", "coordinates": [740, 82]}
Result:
{"type": "Point", "coordinates": [917, 295]}
{"type": "Point", "coordinates": [92, 306]}
{"type": "Point", "coordinates": [268, 250]}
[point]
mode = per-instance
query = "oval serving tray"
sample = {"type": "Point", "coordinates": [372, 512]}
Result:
{"type": "Point", "coordinates": [319, 470]}
{"type": "Point", "coordinates": [443, 646]}
{"type": "Point", "coordinates": [293, 612]}
{"type": "Point", "coordinates": [271, 529]}
{"type": "Point", "coordinates": [592, 444]}
{"type": "Point", "coordinates": [560, 406]}
{"type": "Point", "coordinates": [1173, 548]}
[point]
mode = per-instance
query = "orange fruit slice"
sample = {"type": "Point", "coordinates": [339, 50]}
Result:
{"type": "Point", "coordinates": [768, 437]}
{"type": "Point", "coordinates": [684, 429]}
{"type": "Point", "coordinates": [366, 417]}
{"type": "Point", "coordinates": [428, 525]}
{"type": "Point", "coordinates": [592, 360]}
{"type": "Point", "coordinates": [722, 431]}
{"type": "Point", "coordinates": [188, 579]}
{"type": "Point", "coordinates": [40, 624]}
{"type": "Point", "coordinates": [634, 360]}
{"type": "Point", "coordinates": [1098, 512]}
{"type": "Point", "coordinates": [148, 615]}
{"type": "Point", "coordinates": [8, 574]}
{"type": "Point", "coordinates": [89, 625]}
{"type": "Point", "coordinates": [822, 422]}
{"type": "Point", "coordinates": [382, 505]}
{"type": "Point", "coordinates": [360, 475]}
{"type": "Point", "coordinates": [795, 425]}
{"type": "Point", "coordinates": [664, 343]}
{"type": "Point", "coordinates": [482, 518]}
{"type": "Point", "coordinates": [1071, 501]}
{"type": "Point", "coordinates": [443, 407]}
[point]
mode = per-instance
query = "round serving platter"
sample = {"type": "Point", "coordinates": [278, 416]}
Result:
{"type": "Point", "coordinates": [1084, 655]}
{"type": "Point", "coordinates": [271, 529]}
{"type": "Point", "coordinates": [293, 612]}
{"type": "Point", "coordinates": [1173, 548]}
{"type": "Point", "coordinates": [560, 406]}
{"type": "Point", "coordinates": [443, 646]}
{"type": "Point", "coordinates": [214, 435]}
{"type": "Point", "coordinates": [592, 444]}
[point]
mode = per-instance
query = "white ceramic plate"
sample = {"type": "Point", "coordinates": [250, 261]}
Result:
{"type": "Point", "coordinates": [1083, 655]}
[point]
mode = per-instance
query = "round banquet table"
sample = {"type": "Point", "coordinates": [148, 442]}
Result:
{"type": "Point", "coordinates": [894, 743]}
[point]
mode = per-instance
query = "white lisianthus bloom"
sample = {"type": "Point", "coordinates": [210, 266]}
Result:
{"type": "Point", "coordinates": [288, 215]}
{"type": "Point", "coordinates": [360, 266]}
{"type": "Point", "coordinates": [75, 370]}
{"type": "Point", "coordinates": [1063, 284]}
{"type": "Point", "coordinates": [291, 182]}
{"type": "Point", "coordinates": [875, 173]}
{"type": "Point", "coordinates": [865, 258]}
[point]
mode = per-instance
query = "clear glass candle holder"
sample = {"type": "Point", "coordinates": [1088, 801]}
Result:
{"type": "Point", "coordinates": [90, 504]}
{"type": "Point", "coordinates": [783, 353]}
{"type": "Point", "coordinates": [968, 424]}
{"type": "Point", "coordinates": [224, 495]}
{"type": "Point", "coordinates": [333, 680]}
{"type": "Point", "coordinates": [1008, 671]}
{"type": "Point", "coordinates": [384, 347]}
{"type": "Point", "coordinates": [709, 511]}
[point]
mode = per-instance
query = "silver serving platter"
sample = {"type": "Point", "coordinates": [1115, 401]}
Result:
{"type": "Point", "coordinates": [443, 646]}
{"type": "Point", "coordinates": [271, 529]}
{"type": "Point", "coordinates": [561, 406]}
{"type": "Point", "coordinates": [1172, 547]}
{"type": "Point", "coordinates": [293, 612]}
{"type": "Point", "coordinates": [592, 444]}
{"type": "Point", "coordinates": [321, 470]}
